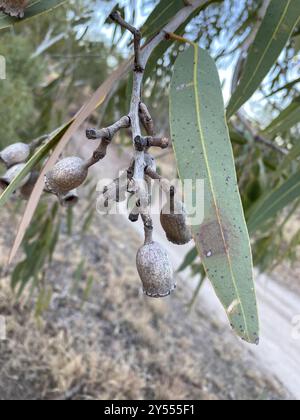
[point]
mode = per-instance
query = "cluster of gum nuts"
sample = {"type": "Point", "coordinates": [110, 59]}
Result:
{"type": "Point", "coordinates": [14, 158]}
{"type": "Point", "coordinates": [153, 264]}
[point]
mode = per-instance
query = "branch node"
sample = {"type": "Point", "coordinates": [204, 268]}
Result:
{"type": "Point", "coordinates": [140, 143]}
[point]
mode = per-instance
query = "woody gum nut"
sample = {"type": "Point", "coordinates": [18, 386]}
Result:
{"type": "Point", "coordinates": [155, 270]}
{"type": "Point", "coordinates": [67, 175]}
{"type": "Point", "coordinates": [175, 225]}
{"type": "Point", "coordinates": [13, 8]}
{"type": "Point", "coordinates": [11, 174]}
{"type": "Point", "coordinates": [14, 154]}
{"type": "Point", "coordinates": [70, 199]}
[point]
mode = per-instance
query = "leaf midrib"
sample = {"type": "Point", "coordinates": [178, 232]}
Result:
{"type": "Point", "coordinates": [197, 100]}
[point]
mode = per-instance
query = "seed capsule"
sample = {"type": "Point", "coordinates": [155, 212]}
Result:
{"type": "Point", "coordinates": [14, 8]}
{"type": "Point", "coordinates": [70, 199]}
{"type": "Point", "coordinates": [174, 222]}
{"type": "Point", "coordinates": [10, 175]}
{"type": "Point", "coordinates": [14, 154]}
{"type": "Point", "coordinates": [155, 270]}
{"type": "Point", "coordinates": [67, 175]}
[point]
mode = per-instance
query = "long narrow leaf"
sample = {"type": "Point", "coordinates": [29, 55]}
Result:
{"type": "Point", "coordinates": [275, 202]}
{"type": "Point", "coordinates": [289, 117]}
{"type": "Point", "coordinates": [203, 151]}
{"type": "Point", "coordinates": [275, 30]}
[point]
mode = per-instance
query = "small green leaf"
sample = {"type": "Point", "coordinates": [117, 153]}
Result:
{"type": "Point", "coordinates": [36, 8]}
{"type": "Point", "coordinates": [189, 259]}
{"type": "Point", "coordinates": [275, 30]}
{"type": "Point", "coordinates": [203, 151]}
{"type": "Point", "coordinates": [276, 201]}
{"type": "Point", "coordinates": [287, 119]}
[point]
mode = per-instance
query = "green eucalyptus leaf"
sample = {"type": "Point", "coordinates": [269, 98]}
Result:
{"type": "Point", "coordinates": [189, 259]}
{"type": "Point", "coordinates": [277, 26]}
{"type": "Point", "coordinates": [203, 151]}
{"type": "Point", "coordinates": [274, 202]}
{"type": "Point", "coordinates": [287, 119]}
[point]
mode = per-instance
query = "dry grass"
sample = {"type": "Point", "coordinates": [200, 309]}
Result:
{"type": "Point", "coordinates": [119, 345]}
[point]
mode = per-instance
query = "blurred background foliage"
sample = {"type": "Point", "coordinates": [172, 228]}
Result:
{"type": "Point", "coordinates": [57, 60]}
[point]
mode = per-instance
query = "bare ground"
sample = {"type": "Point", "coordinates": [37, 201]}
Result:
{"type": "Point", "coordinates": [119, 344]}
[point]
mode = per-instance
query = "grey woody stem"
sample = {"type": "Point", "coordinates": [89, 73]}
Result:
{"type": "Point", "coordinates": [109, 132]}
{"type": "Point", "coordinates": [106, 135]}
{"type": "Point", "coordinates": [258, 138]}
{"type": "Point", "coordinates": [116, 17]}
{"type": "Point", "coordinates": [164, 184]}
{"type": "Point", "coordinates": [148, 234]}
{"type": "Point", "coordinates": [144, 143]}
{"type": "Point", "coordinates": [141, 57]}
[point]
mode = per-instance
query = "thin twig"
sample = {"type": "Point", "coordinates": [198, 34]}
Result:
{"type": "Point", "coordinates": [258, 138]}
{"type": "Point", "coordinates": [144, 143]}
{"type": "Point", "coordinates": [106, 135]}
{"type": "Point", "coordinates": [116, 17]}
{"type": "Point", "coordinates": [108, 132]}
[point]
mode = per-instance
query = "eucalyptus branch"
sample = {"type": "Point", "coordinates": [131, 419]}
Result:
{"type": "Point", "coordinates": [106, 135]}
{"type": "Point", "coordinates": [135, 212]}
{"type": "Point", "coordinates": [116, 17]}
{"type": "Point", "coordinates": [137, 110]}
{"type": "Point", "coordinates": [258, 138]}
{"type": "Point", "coordinates": [164, 184]}
{"type": "Point", "coordinates": [109, 132]}
{"type": "Point", "coordinates": [144, 143]}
